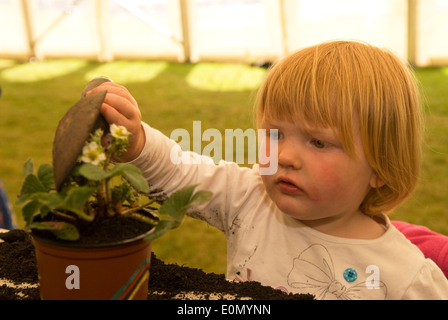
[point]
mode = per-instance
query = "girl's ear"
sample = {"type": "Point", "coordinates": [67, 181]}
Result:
{"type": "Point", "coordinates": [376, 182]}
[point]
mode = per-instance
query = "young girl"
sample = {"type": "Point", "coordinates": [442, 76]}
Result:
{"type": "Point", "coordinates": [345, 119]}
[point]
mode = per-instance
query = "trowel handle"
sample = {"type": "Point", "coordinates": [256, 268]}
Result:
{"type": "Point", "coordinates": [95, 83]}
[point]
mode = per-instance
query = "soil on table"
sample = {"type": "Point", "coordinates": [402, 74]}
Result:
{"type": "Point", "coordinates": [167, 281]}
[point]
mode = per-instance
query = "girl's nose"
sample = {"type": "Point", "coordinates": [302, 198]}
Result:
{"type": "Point", "coordinates": [289, 156]}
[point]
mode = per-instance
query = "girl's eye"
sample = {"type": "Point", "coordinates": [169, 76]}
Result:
{"type": "Point", "coordinates": [274, 134]}
{"type": "Point", "coordinates": [318, 143]}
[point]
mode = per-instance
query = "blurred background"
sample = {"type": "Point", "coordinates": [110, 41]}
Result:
{"type": "Point", "coordinates": [198, 30]}
{"type": "Point", "coordinates": [187, 60]}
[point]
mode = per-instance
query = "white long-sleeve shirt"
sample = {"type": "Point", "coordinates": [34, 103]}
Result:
{"type": "Point", "coordinates": [268, 246]}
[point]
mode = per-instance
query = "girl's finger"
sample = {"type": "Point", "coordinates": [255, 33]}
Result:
{"type": "Point", "coordinates": [123, 106]}
{"type": "Point", "coordinates": [117, 89]}
{"type": "Point", "coordinates": [112, 116]}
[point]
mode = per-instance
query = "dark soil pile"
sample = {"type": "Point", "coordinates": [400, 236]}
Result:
{"type": "Point", "coordinates": [18, 265]}
{"type": "Point", "coordinates": [167, 281]}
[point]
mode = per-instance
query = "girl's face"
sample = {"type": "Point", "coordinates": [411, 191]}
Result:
{"type": "Point", "coordinates": [316, 180]}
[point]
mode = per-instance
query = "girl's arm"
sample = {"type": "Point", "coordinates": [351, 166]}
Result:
{"type": "Point", "coordinates": [153, 153]}
{"type": "Point", "coordinates": [233, 187]}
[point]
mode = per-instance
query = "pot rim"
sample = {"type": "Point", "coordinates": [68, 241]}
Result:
{"type": "Point", "coordinates": [62, 243]}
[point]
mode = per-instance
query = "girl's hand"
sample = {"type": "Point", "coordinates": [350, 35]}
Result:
{"type": "Point", "coordinates": [120, 108]}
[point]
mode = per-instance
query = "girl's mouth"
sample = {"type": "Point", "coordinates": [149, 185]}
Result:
{"type": "Point", "coordinates": [288, 187]}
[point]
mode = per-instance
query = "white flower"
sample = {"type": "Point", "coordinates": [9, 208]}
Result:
{"type": "Point", "coordinates": [119, 132]}
{"type": "Point", "coordinates": [92, 153]}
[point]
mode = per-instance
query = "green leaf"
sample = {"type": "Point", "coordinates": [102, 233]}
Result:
{"type": "Point", "coordinates": [76, 200]}
{"type": "Point", "coordinates": [35, 184]}
{"type": "Point", "coordinates": [134, 177]}
{"type": "Point", "coordinates": [30, 210]}
{"type": "Point", "coordinates": [44, 210]}
{"type": "Point", "coordinates": [45, 202]}
{"type": "Point", "coordinates": [50, 200]}
{"type": "Point", "coordinates": [176, 206]}
{"type": "Point", "coordinates": [62, 230]}
{"type": "Point", "coordinates": [92, 172]}
{"type": "Point", "coordinates": [30, 186]}
{"type": "Point", "coordinates": [178, 203]}
{"type": "Point", "coordinates": [133, 174]}
{"type": "Point", "coordinates": [201, 197]}
{"type": "Point", "coordinates": [161, 228]}
{"type": "Point", "coordinates": [28, 168]}
{"type": "Point", "coordinates": [46, 176]}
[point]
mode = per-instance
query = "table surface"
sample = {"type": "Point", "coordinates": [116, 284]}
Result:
{"type": "Point", "coordinates": [167, 281]}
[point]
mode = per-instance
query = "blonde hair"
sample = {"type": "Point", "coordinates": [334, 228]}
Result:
{"type": "Point", "coordinates": [354, 87]}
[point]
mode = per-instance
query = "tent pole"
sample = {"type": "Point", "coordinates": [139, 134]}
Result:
{"type": "Point", "coordinates": [284, 27]}
{"type": "Point", "coordinates": [412, 32]}
{"type": "Point", "coordinates": [102, 22]}
{"type": "Point", "coordinates": [185, 11]}
{"type": "Point", "coordinates": [26, 14]}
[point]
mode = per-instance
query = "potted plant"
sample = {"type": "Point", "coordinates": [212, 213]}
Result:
{"type": "Point", "coordinates": [84, 194]}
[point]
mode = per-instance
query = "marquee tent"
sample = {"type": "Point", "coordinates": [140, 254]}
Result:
{"type": "Point", "coordinates": [232, 30]}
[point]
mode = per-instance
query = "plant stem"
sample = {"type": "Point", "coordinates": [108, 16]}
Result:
{"type": "Point", "coordinates": [102, 201]}
{"type": "Point", "coordinates": [106, 192]}
{"type": "Point", "coordinates": [135, 209]}
{"type": "Point", "coordinates": [64, 215]}
{"type": "Point", "coordinates": [143, 219]}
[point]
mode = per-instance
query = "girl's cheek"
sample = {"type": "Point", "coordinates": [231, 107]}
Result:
{"type": "Point", "coordinates": [328, 185]}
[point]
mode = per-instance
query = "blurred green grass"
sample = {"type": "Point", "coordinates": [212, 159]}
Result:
{"type": "Point", "coordinates": [170, 95]}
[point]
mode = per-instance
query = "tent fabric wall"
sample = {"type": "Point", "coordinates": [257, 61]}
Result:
{"type": "Point", "coordinates": [198, 30]}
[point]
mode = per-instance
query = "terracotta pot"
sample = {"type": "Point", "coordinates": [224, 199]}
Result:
{"type": "Point", "coordinates": [118, 271]}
